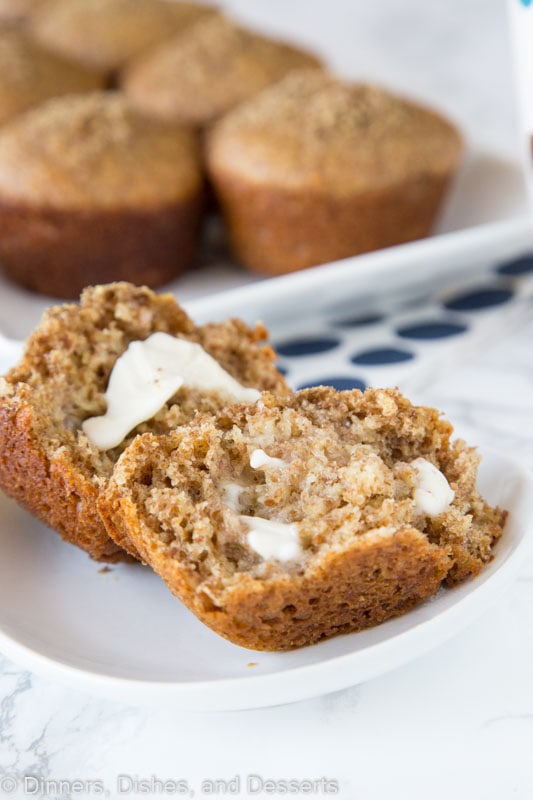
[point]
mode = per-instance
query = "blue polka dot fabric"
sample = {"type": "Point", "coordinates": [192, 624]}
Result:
{"type": "Point", "coordinates": [405, 346]}
{"type": "Point", "coordinates": [307, 346]}
{"type": "Point", "coordinates": [478, 299]}
{"type": "Point", "coordinates": [433, 329]}
{"type": "Point", "coordinates": [382, 355]}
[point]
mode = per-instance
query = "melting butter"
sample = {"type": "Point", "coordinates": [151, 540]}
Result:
{"type": "Point", "coordinates": [147, 375]}
{"type": "Point", "coordinates": [231, 493]}
{"type": "Point", "coordinates": [433, 494]}
{"type": "Point", "coordinates": [271, 539]}
{"type": "Point", "coordinates": [259, 460]}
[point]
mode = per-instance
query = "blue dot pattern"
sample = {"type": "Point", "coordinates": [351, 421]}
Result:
{"type": "Point", "coordinates": [382, 355]}
{"type": "Point", "coordinates": [338, 382]}
{"type": "Point", "coordinates": [431, 330]}
{"type": "Point", "coordinates": [359, 322]}
{"type": "Point", "coordinates": [341, 351]}
{"type": "Point", "coordinates": [479, 299]}
{"type": "Point", "coordinates": [520, 266]}
{"type": "Point", "coordinates": [307, 347]}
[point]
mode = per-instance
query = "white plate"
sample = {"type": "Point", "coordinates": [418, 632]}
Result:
{"type": "Point", "coordinates": [122, 635]}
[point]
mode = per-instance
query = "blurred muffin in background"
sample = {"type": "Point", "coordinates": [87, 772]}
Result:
{"type": "Point", "coordinates": [17, 10]}
{"type": "Point", "coordinates": [313, 169]}
{"type": "Point", "coordinates": [105, 34]}
{"type": "Point", "coordinates": [29, 75]}
{"type": "Point", "coordinates": [92, 192]}
{"type": "Point", "coordinates": [198, 76]}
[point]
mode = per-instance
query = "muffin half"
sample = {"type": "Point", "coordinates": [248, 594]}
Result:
{"type": "Point", "coordinates": [51, 460]}
{"type": "Point", "coordinates": [298, 518]}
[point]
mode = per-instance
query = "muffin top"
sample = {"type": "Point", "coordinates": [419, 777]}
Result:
{"type": "Point", "coordinates": [30, 75]}
{"type": "Point", "coordinates": [104, 34]}
{"type": "Point", "coordinates": [313, 131]}
{"type": "Point", "coordinates": [92, 151]}
{"type": "Point", "coordinates": [197, 77]}
{"type": "Point", "coordinates": [17, 10]}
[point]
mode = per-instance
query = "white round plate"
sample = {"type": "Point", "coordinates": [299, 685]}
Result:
{"type": "Point", "coordinates": [120, 634]}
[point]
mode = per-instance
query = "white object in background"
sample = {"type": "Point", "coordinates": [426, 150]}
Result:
{"type": "Point", "coordinates": [521, 29]}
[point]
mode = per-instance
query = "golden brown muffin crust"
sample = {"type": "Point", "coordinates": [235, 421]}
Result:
{"type": "Point", "coordinates": [29, 75]}
{"type": "Point", "coordinates": [92, 152]}
{"type": "Point", "coordinates": [368, 552]}
{"type": "Point", "coordinates": [312, 131]}
{"type": "Point", "coordinates": [105, 34]}
{"type": "Point", "coordinates": [313, 170]}
{"type": "Point", "coordinates": [216, 65]}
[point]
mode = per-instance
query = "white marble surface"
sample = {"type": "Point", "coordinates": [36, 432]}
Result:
{"type": "Point", "coordinates": [455, 723]}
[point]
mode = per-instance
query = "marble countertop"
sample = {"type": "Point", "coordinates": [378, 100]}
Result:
{"type": "Point", "coordinates": [457, 722]}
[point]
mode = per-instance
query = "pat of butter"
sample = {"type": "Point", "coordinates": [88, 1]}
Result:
{"type": "Point", "coordinates": [231, 493]}
{"type": "Point", "coordinates": [271, 539]}
{"type": "Point", "coordinates": [433, 494]}
{"type": "Point", "coordinates": [147, 374]}
{"type": "Point", "coordinates": [259, 459]}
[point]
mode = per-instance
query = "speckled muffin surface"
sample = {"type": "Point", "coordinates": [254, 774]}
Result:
{"type": "Point", "coordinates": [17, 10]}
{"type": "Point", "coordinates": [105, 34]}
{"type": "Point", "coordinates": [197, 77]}
{"type": "Point", "coordinates": [47, 462]}
{"type": "Point", "coordinates": [29, 75]}
{"type": "Point", "coordinates": [91, 191]}
{"type": "Point", "coordinates": [314, 155]}
{"type": "Point", "coordinates": [336, 469]}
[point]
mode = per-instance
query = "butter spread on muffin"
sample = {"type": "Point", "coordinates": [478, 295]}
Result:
{"type": "Point", "coordinates": [329, 539]}
{"type": "Point", "coordinates": [47, 461]}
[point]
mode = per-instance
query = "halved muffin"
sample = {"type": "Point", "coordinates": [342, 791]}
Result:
{"type": "Point", "coordinates": [298, 518]}
{"type": "Point", "coordinates": [48, 463]}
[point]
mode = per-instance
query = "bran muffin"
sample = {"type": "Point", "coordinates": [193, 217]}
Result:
{"type": "Point", "coordinates": [91, 192]}
{"type": "Point", "coordinates": [299, 518]}
{"type": "Point", "coordinates": [312, 170]}
{"type": "Point", "coordinates": [47, 462]}
{"type": "Point", "coordinates": [197, 77]}
{"type": "Point", "coordinates": [106, 34]}
{"type": "Point", "coordinates": [30, 75]}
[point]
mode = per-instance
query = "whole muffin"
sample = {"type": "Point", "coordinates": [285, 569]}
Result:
{"type": "Point", "coordinates": [216, 65]}
{"type": "Point", "coordinates": [105, 34]}
{"type": "Point", "coordinates": [29, 75]}
{"type": "Point", "coordinates": [313, 170]}
{"type": "Point", "coordinates": [90, 192]}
